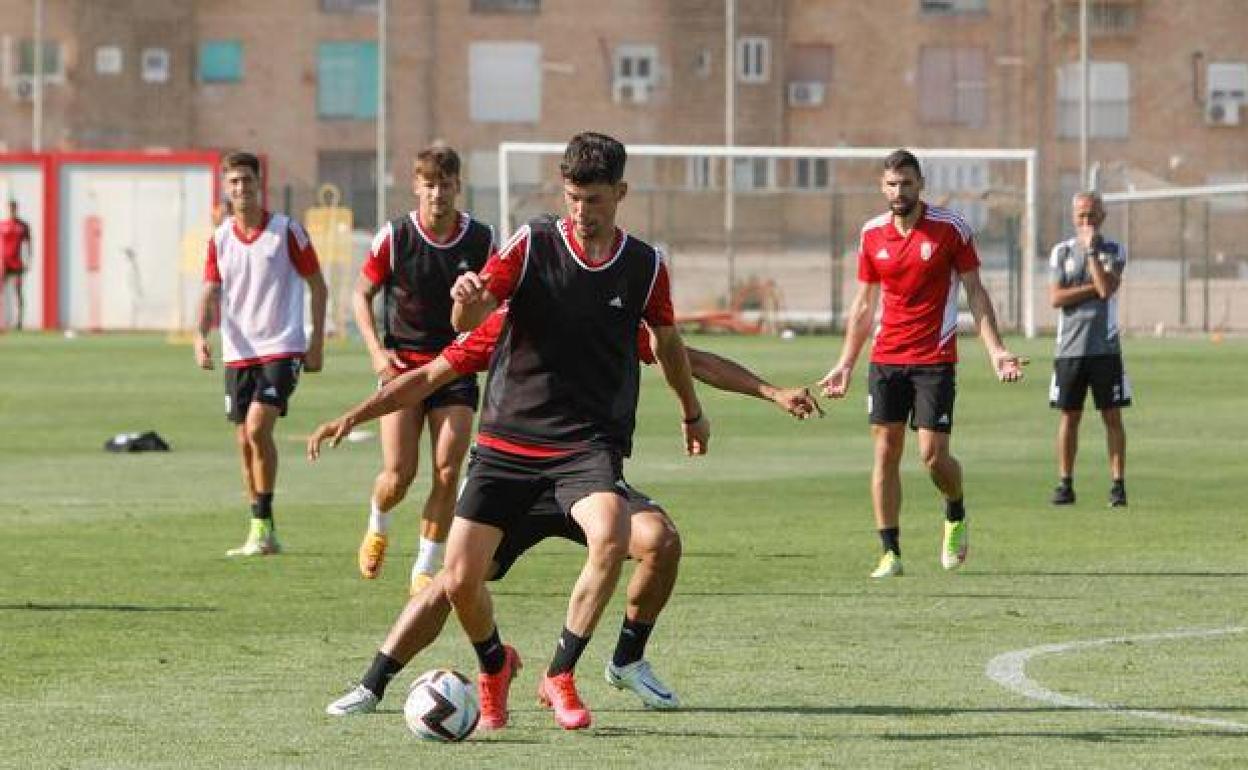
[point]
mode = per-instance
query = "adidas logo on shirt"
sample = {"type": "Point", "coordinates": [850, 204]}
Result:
{"type": "Point", "coordinates": [616, 302]}
{"type": "Point", "coordinates": [943, 420]}
{"type": "Point", "coordinates": [271, 392]}
{"type": "Point", "coordinates": [881, 254]}
{"type": "Point", "coordinates": [463, 265]}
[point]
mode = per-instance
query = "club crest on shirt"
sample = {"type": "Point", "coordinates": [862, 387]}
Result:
{"type": "Point", "coordinates": [925, 251]}
{"type": "Point", "coordinates": [1069, 265]}
{"type": "Point", "coordinates": [881, 254]}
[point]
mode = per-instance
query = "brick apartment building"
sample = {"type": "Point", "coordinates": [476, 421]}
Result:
{"type": "Point", "coordinates": [297, 80]}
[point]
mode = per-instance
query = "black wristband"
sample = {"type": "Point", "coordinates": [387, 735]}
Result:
{"type": "Point", "coordinates": [693, 419]}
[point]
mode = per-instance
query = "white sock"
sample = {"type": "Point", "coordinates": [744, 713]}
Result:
{"type": "Point", "coordinates": [428, 558]}
{"type": "Point", "coordinates": [378, 520]}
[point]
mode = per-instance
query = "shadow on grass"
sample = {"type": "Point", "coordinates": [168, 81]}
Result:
{"type": "Point", "coordinates": [1122, 574]}
{"type": "Point", "coordinates": [94, 607]}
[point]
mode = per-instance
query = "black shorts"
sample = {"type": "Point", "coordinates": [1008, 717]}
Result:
{"type": "Point", "coordinates": [502, 489]}
{"type": "Point", "coordinates": [1105, 375]}
{"type": "Point", "coordinates": [923, 394]}
{"type": "Point", "coordinates": [269, 383]}
{"type": "Point", "coordinates": [461, 392]}
{"type": "Point", "coordinates": [547, 519]}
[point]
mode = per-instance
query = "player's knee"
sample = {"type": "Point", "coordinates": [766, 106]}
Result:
{"type": "Point", "coordinates": [1112, 418]}
{"type": "Point", "coordinates": [445, 477]}
{"type": "Point", "coordinates": [607, 547]}
{"type": "Point", "coordinates": [654, 540]}
{"type": "Point", "coordinates": [933, 457]}
{"type": "Point", "coordinates": [394, 483]}
{"type": "Point", "coordinates": [455, 584]}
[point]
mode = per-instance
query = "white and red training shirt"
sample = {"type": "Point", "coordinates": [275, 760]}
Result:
{"type": "Point", "coordinates": [261, 279]}
{"type": "Point", "coordinates": [919, 276]}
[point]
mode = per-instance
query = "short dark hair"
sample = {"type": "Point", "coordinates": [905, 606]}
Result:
{"type": "Point", "coordinates": [437, 161]}
{"type": "Point", "coordinates": [240, 159]}
{"type": "Point", "coordinates": [899, 159]}
{"type": "Point", "coordinates": [592, 159]}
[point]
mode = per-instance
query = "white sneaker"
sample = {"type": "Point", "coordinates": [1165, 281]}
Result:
{"type": "Point", "coordinates": [889, 566]}
{"type": "Point", "coordinates": [359, 701]}
{"type": "Point", "coordinates": [640, 678]}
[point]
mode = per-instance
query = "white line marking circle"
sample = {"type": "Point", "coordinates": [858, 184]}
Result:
{"type": "Point", "coordinates": [1009, 671]}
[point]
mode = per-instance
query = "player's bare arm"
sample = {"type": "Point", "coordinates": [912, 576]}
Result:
{"type": "Point", "coordinates": [1007, 365]}
{"type": "Point", "coordinates": [209, 306]}
{"type": "Point", "coordinates": [1063, 296]}
{"type": "Point", "coordinates": [407, 390]}
{"type": "Point", "coordinates": [386, 363]}
{"type": "Point", "coordinates": [314, 358]}
{"type": "Point", "coordinates": [857, 329]}
{"type": "Point", "coordinates": [729, 376]}
{"type": "Point", "coordinates": [473, 301]}
{"type": "Point", "coordinates": [670, 350]}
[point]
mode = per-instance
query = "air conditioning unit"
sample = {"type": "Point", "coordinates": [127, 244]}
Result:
{"type": "Point", "coordinates": [1222, 112]}
{"type": "Point", "coordinates": [806, 93]}
{"type": "Point", "coordinates": [632, 92]}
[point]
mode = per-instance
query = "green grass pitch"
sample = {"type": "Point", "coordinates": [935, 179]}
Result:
{"type": "Point", "coordinates": [128, 640]}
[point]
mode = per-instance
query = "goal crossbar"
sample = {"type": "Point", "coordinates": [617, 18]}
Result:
{"type": "Point", "coordinates": [1026, 155]}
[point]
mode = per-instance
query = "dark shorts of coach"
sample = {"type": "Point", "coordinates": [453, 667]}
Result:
{"type": "Point", "coordinates": [461, 392]}
{"type": "Point", "coordinates": [270, 383]}
{"type": "Point", "coordinates": [546, 519]}
{"type": "Point", "coordinates": [501, 490]}
{"type": "Point", "coordinates": [922, 394]}
{"type": "Point", "coordinates": [1103, 375]}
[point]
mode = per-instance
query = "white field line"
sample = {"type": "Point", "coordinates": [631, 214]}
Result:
{"type": "Point", "coordinates": [1009, 671]}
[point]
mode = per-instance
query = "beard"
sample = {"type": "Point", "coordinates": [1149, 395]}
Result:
{"type": "Point", "coordinates": [903, 208]}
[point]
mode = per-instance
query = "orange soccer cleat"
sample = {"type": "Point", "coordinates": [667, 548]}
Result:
{"type": "Point", "coordinates": [559, 692]}
{"type": "Point", "coordinates": [493, 688]}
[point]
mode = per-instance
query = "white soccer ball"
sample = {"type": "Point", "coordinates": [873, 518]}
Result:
{"type": "Point", "coordinates": [442, 706]}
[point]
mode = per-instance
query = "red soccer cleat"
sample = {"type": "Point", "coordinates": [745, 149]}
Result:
{"type": "Point", "coordinates": [559, 692]}
{"type": "Point", "coordinates": [493, 688]}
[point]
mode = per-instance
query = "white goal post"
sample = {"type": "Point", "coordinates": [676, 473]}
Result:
{"type": "Point", "coordinates": [1028, 207]}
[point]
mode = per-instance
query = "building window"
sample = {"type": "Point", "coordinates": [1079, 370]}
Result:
{"type": "Point", "coordinates": [154, 65]}
{"type": "Point", "coordinates": [809, 70]}
{"type": "Point", "coordinates": [636, 68]}
{"type": "Point", "coordinates": [1104, 18]}
{"type": "Point", "coordinates": [1109, 99]}
{"type": "Point", "coordinates": [953, 88]}
{"type": "Point", "coordinates": [53, 62]}
{"type": "Point", "coordinates": [348, 6]}
{"type": "Point", "coordinates": [753, 59]}
{"type": "Point", "coordinates": [754, 173]}
{"type": "Point", "coordinates": [220, 61]}
{"type": "Point", "coordinates": [506, 6]}
{"type": "Point", "coordinates": [108, 60]}
{"type": "Point", "coordinates": [346, 80]}
{"type": "Point", "coordinates": [701, 173]}
{"type": "Point", "coordinates": [960, 185]}
{"type": "Point", "coordinates": [811, 174]}
{"type": "Point", "coordinates": [505, 82]}
{"type": "Point", "coordinates": [950, 7]}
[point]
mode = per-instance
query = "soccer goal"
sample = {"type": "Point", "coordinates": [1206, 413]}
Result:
{"type": "Point", "coordinates": [1187, 263]}
{"type": "Point", "coordinates": [765, 238]}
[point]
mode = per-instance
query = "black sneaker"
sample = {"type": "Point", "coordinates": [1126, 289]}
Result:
{"type": "Point", "coordinates": [1063, 495]}
{"type": "Point", "coordinates": [1118, 496]}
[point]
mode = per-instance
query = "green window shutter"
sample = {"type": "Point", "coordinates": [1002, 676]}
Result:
{"type": "Point", "coordinates": [220, 61]}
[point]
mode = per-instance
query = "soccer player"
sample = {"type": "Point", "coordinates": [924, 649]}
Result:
{"type": "Point", "coordinates": [257, 265]}
{"type": "Point", "coordinates": [14, 237]}
{"type": "Point", "coordinates": [918, 254]}
{"type": "Point", "coordinates": [1085, 272]}
{"type": "Point", "coordinates": [654, 541]}
{"type": "Point", "coordinates": [560, 407]}
{"type": "Point", "coordinates": [413, 262]}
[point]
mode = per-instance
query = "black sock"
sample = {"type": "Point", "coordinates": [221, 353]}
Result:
{"type": "Point", "coordinates": [490, 653]}
{"type": "Point", "coordinates": [1120, 485]}
{"type": "Point", "coordinates": [380, 673]}
{"type": "Point", "coordinates": [631, 646]}
{"type": "Point", "coordinates": [262, 508]}
{"type": "Point", "coordinates": [1066, 482]}
{"type": "Point", "coordinates": [567, 652]}
{"type": "Point", "coordinates": [891, 538]}
{"type": "Point", "coordinates": [955, 510]}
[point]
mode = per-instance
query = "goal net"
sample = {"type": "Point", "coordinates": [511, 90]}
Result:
{"type": "Point", "coordinates": [766, 238]}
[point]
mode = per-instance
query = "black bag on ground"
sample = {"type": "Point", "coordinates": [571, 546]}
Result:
{"type": "Point", "coordinates": [149, 441]}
